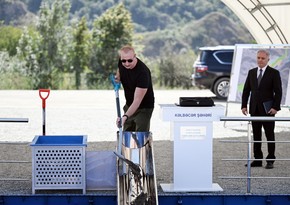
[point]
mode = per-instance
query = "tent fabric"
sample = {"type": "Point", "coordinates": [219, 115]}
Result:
{"type": "Point", "coordinates": [266, 20]}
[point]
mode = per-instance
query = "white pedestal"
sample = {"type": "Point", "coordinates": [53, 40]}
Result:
{"type": "Point", "coordinates": [191, 130]}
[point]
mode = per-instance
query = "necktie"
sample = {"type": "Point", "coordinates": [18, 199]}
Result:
{"type": "Point", "coordinates": [260, 76]}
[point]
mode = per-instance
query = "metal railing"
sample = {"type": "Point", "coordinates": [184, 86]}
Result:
{"type": "Point", "coordinates": [13, 120]}
{"type": "Point", "coordinates": [249, 142]}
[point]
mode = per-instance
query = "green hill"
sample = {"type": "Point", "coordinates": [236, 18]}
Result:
{"type": "Point", "coordinates": [178, 24]}
{"type": "Point", "coordinates": [213, 29]}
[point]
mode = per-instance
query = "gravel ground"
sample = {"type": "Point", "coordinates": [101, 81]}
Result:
{"type": "Point", "coordinates": [163, 152]}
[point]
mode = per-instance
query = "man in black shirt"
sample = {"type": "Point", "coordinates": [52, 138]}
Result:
{"type": "Point", "coordinates": [136, 80]}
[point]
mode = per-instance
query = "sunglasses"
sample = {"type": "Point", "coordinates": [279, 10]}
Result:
{"type": "Point", "coordinates": [129, 60]}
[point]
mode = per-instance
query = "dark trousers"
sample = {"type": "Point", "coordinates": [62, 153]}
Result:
{"type": "Point", "coordinates": [139, 121]}
{"type": "Point", "coordinates": [257, 136]}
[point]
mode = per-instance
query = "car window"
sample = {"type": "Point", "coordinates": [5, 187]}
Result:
{"type": "Point", "coordinates": [225, 57]}
{"type": "Point", "coordinates": [203, 56]}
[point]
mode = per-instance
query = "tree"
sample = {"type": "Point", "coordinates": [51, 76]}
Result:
{"type": "Point", "coordinates": [53, 42]}
{"type": "Point", "coordinates": [27, 52]}
{"type": "Point", "coordinates": [11, 76]}
{"type": "Point", "coordinates": [175, 68]}
{"type": "Point", "coordinates": [111, 31]}
{"type": "Point", "coordinates": [45, 52]}
{"type": "Point", "coordinates": [9, 39]}
{"type": "Point", "coordinates": [80, 51]}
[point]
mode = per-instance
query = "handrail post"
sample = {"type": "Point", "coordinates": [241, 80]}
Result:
{"type": "Point", "coordinates": [249, 159]}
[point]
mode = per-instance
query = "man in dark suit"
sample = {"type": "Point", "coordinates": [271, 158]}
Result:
{"type": "Point", "coordinates": [263, 84]}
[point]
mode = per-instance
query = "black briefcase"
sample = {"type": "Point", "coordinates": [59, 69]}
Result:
{"type": "Point", "coordinates": [196, 101]}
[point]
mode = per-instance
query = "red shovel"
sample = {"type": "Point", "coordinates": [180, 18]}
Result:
{"type": "Point", "coordinates": [43, 93]}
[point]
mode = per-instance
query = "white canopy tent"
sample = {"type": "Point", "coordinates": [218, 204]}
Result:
{"type": "Point", "coordinates": [265, 19]}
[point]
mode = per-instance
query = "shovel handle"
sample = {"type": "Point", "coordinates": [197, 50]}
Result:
{"type": "Point", "coordinates": [115, 84]}
{"type": "Point", "coordinates": [42, 96]}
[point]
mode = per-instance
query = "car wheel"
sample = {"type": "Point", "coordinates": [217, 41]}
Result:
{"type": "Point", "coordinates": [222, 87]}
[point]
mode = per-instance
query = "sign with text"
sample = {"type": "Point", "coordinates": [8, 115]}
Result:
{"type": "Point", "coordinates": [171, 112]}
{"type": "Point", "coordinates": [192, 132]}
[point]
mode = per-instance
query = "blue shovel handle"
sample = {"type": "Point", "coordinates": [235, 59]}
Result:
{"type": "Point", "coordinates": [115, 84]}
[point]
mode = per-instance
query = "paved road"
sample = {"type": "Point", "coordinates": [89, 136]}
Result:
{"type": "Point", "coordinates": [93, 113]}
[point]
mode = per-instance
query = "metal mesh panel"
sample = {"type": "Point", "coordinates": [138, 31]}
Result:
{"type": "Point", "coordinates": [58, 167]}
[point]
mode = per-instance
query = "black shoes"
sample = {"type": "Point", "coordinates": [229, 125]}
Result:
{"type": "Point", "coordinates": [255, 164]}
{"type": "Point", "coordinates": [269, 165]}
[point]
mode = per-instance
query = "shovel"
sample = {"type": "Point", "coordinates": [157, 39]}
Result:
{"type": "Point", "coordinates": [117, 86]}
{"type": "Point", "coordinates": [43, 94]}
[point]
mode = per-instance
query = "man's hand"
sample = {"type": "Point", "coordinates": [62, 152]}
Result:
{"type": "Point", "coordinates": [272, 111]}
{"type": "Point", "coordinates": [245, 111]}
{"type": "Point", "coordinates": [118, 123]}
{"type": "Point", "coordinates": [117, 77]}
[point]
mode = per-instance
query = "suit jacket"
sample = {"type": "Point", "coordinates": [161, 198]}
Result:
{"type": "Point", "coordinates": [270, 88]}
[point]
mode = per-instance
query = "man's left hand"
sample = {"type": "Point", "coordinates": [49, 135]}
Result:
{"type": "Point", "coordinates": [272, 111]}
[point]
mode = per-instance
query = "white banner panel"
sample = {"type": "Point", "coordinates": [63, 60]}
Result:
{"type": "Point", "coordinates": [245, 59]}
